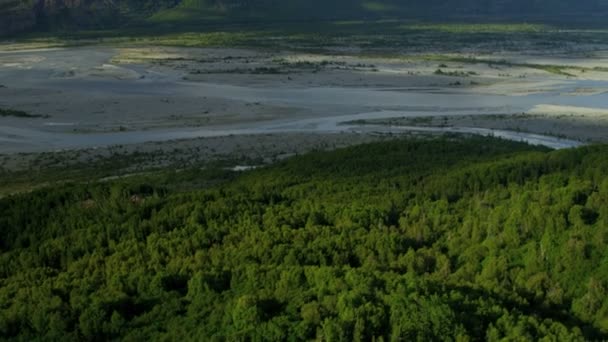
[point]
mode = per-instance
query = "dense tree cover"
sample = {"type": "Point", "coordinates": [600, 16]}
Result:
{"type": "Point", "coordinates": [406, 240]}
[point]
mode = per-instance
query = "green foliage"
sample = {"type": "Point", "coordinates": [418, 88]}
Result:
{"type": "Point", "coordinates": [371, 36]}
{"type": "Point", "coordinates": [481, 27]}
{"type": "Point", "coordinates": [445, 239]}
{"type": "Point", "coordinates": [456, 73]}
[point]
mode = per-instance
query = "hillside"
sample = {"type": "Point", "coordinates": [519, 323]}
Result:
{"type": "Point", "coordinates": [475, 239]}
{"type": "Point", "coordinates": [436, 10]}
{"type": "Point", "coordinates": [16, 16]}
{"type": "Point", "coordinates": [24, 15]}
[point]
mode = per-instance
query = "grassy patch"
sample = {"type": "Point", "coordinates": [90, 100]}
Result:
{"type": "Point", "coordinates": [377, 36]}
{"type": "Point", "coordinates": [480, 27]}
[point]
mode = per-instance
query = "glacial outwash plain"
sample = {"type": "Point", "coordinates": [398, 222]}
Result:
{"type": "Point", "coordinates": [215, 171]}
{"type": "Point", "coordinates": [191, 91]}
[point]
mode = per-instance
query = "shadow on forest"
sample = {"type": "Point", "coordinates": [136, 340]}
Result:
{"type": "Point", "coordinates": [477, 322]}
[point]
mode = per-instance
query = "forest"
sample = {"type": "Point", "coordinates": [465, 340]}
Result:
{"type": "Point", "coordinates": [409, 240]}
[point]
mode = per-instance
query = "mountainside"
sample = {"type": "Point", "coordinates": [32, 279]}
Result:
{"type": "Point", "coordinates": [16, 16]}
{"type": "Point", "coordinates": [435, 9]}
{"type": "Point", "coordinates": [22, 15]}
{"type": "Point", "coordinates": [433, 240]}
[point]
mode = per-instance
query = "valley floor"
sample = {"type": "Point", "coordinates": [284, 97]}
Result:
{"type": "Point", "coordinates": [193, 105]}
{"type": "Point", "coordinates": [137, 201]}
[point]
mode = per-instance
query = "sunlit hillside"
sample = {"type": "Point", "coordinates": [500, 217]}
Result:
{"type": "Point", "coordinates": [433, 240]}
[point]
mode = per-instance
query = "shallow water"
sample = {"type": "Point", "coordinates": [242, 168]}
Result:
{"type": "Point", "coordinates": [43, 141]}
{"type": "Point", "coordinates": [326, 105]}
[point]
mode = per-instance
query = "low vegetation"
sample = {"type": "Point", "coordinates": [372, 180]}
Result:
{"type": "Point", "coordinates": [456, 73]}
{"type": "Point", "coordinates": [375, 37]}
{"type": "Point", "coordinates": [550, 68]}
{"type": "Point", "coordinates": [19, 114]}
{"type": "Point", "coordinates": [447, 239]}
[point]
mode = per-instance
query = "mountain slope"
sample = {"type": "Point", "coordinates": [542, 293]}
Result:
{"type": "Point", "coordinates": [340, 9]}
{"type": "Point", "coordinates": [16, 16]}
{"type": "Point", "coordinates": [23, 15]}
{"type": "Point", "coordinates": [478, 239]}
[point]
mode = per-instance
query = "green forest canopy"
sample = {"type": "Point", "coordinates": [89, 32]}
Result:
{"type": "Point", "coordinates": [445, 239]}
